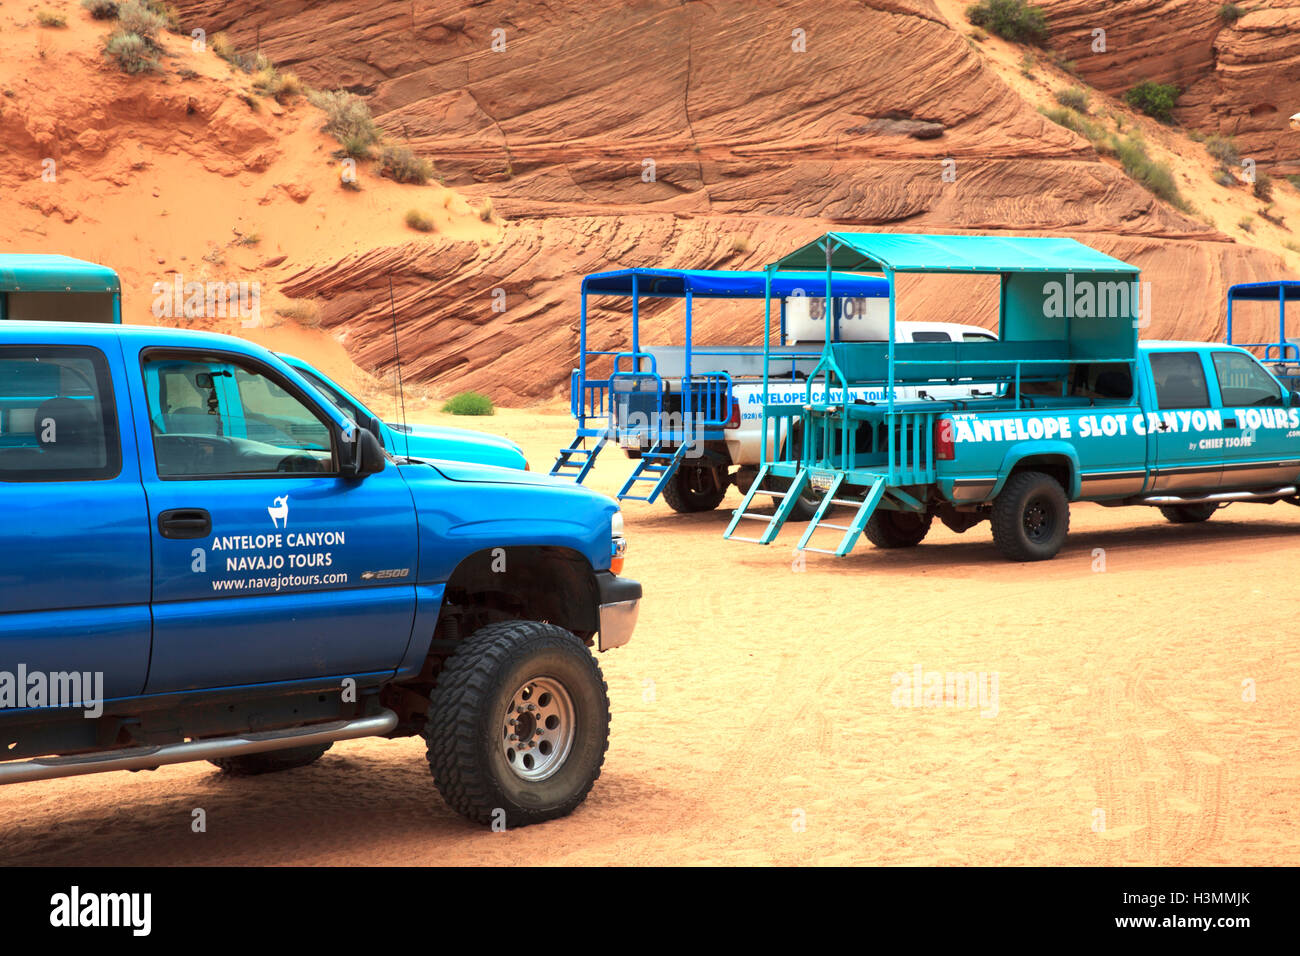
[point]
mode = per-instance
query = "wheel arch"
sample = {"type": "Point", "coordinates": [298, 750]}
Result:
{"type": "Point", "coordinates": [1055, 458]}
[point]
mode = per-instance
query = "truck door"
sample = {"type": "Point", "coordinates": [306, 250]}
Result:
{"type": "Point", "coordinates": [74, 542]}
{"type": "Point", "coordinates": [268, 564]}
{"type": "Point", "coordinates": [1260, 432]}
{"type": "Point", "coordinates": [1185, 457]}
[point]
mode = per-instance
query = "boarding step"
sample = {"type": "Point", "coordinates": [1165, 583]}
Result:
{"type": "Point", "coordinates": [851, 531]}
{"type": "Point", "coordinates": [576, 460]}
{"type": "Point", "coordinates": [785, 506]}
{"type": "Point", "coordinates": [658, 465]}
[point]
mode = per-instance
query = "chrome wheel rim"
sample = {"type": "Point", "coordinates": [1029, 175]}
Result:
{"type": "Point", "coordinates": [538, 729]}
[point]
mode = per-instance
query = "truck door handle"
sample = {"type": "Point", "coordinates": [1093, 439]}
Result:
{"type": "Point", "coordinates": [1230, 423]}
{"type": "Point", "coordinates": [184, 523]}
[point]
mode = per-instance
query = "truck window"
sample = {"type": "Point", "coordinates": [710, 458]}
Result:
{"type": "Point", "coordinates": [931, 337]}
{"type": "Point", "coordinates": [57, 417]}
{"type": "Point", "coordinates": [977, 337]}
{"type": "Point", "coordinates": [1102, 380]}
{"type": "Point", "coordinates": [1180, 380]}
{"type": "Point", "coordinates": [1243, 382]}
{"type": "Point", "coordinates": [222, 418]}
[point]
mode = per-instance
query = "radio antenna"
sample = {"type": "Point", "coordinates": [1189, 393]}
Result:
{"type": "Point", "coordinates": [397, 354]}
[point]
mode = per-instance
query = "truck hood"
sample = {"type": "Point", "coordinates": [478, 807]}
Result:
{"type": "Point", "coordinates": [491, 474]}
{"type": "Point", "coordinates": [439, 442]}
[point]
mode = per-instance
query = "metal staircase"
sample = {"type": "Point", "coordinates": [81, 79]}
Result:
{"type": "Point", "coordinates": [657, 465]}
{"type": "Point", "coordinates": [851, 532]}
{"type": "Point", "coordinates": [576, 460]}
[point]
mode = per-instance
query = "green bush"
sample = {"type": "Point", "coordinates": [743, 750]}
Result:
{"type": "Point", "coordinates": [347, 119]}
{"type": "Point", "coordinates": [1230, 13]}
{"type": "Point", "coordinates": [419, 221]}
{"type": "Point", "coordinates": [1013, 20]}
{"type": "Point", "coordinates": [469, 403]}
{"type": "Point", "coordinates": [47, 18]}
{"type": "Point", "coordinates": [281, 87]}
{"type": "Point", "coordinates": [1223, 149]}
{"type": "Point", "coordinates": [1263, 188]}
{"type": "Point", "coordinates": [135, 17]}
{"type": "Point", "coordinates": [130, 51]}
{"type": "Point", "coordinates": [1155, 99]}
{"type": "Point", "coordinates": [1073, 119]}
{"type": "Point", "coordinates": [1074, 98]}
{"type": "Point", "coordinates": [101, 9]}
{"type": "Point", "coordinates": [1224, 178]}
{"type": "Point", "coordinates": [1155, 176]}
{"type": "Point", "coordinates": [399, 163]}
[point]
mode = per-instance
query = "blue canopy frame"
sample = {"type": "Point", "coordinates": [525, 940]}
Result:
{"type": "Point", "coordinates": [1279, 291]}
{"type": "Point", "coordinates": [690, 284]}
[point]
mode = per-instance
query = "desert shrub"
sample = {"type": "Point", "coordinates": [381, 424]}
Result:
{"type": "Point", "coordinates": [305, 311]}
{"type": "Point", "coordinates": [399, 163]}
{"type": "Point", "coordinates": [1263, 188]}
{"type": "Point", "coordinates": [1223, 149]}
{"type": "Point", "coordinates": [1230, 13]}
{"type": "Point", "coordinates": [281, 87]}
{"type": "Point", "coordinates": [101, 9]}
{"type": "Point", "coordinates": [485, 211]}
{"type": "Point", "coordinates": [469, 403]}
{"type": "Point", "coordinates": [1224, 178]}
{"type": "Point", "coordinates": [1246, 223]}
{"type": "Point", "coordinates": [1290, 246]}
{"type": "Point", "coordinates": [1027, 64]}
{"type": "Point", "coordinates": [740, 245]}
{"type": "Point", "coordinates": [1073, 119]}
{"type": "Point", "coordinates": [1294, 180]}
{"type": "Point", "coordinates": [169, 14]}
{"type": "Point", "coordinates": [130, 52]}
{"type": "Point", "coordinates": [419, 221]}
{"type": "Point", "coordinates": [135, 17]}
{"type": "Point", "coordinates": [1073, 98]}
{"type": "Point", "coordinates": [50, 19]}
{"type": "Point", "coordinates": [1154, 175]}
{"type": "Point", "coordinates": [1012, 20]}
{"type": "Point", "coordinates": [1155, 99]}
{"type": "Point", "coordinates": [347, 119]}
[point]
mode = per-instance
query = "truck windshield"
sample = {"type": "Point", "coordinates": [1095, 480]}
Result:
{"type": "Point", "coordinates": [341, 401]}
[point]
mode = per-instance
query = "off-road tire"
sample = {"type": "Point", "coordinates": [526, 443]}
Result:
{"type": "Point", "coordinates": [466, 731]}
{"type": "Point", "coordinates": [1188, 514]}
{"type": "Point", "coordinates": [897, 529]}
{"type": "Point", "coordinates": [695, 489]}
{"type": "Point", "coordinates": [1031, 517]}
{"type": "Point", "coordinates": [271, 761]}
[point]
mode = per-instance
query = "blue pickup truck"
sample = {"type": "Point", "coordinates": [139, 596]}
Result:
{"type": "Point", "coordinates": [1070, 406]}
{"type": "Point", "coordinates": [186, 578]}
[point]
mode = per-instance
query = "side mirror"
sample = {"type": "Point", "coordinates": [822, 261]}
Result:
{"type": "Point", "coordinates": [1293, 399]}
{"type": "Point", "coordinates": [367, 455]}
{"type": "Point", "coordinates": [376, 428]}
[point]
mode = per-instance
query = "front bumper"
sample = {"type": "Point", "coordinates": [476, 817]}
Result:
{"type": "Point", "coordinates": [620, 603]}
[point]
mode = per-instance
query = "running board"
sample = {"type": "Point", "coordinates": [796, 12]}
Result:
{"type": "Point", "coordinates": [1286, 491]}
{"type": "Point", "coordinates": [150, 758]}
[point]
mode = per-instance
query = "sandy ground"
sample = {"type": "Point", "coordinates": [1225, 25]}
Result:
{"type": "Point", "coordinates": [755, 718]}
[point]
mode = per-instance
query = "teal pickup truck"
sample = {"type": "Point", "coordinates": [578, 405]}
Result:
{"type": "Point", "coordinates": [1073, 408]}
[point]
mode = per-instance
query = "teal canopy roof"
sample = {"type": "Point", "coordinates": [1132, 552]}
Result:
{"type": "Point", "coordinates": [27, 272]}
{"type": "Point", "coordinates": [901, 252]}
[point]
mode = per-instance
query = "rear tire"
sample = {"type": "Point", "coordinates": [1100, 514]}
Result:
{"type": "Point", "coordinates": [897, 529]}
{"type": "Point", "coordinates": [691, 490]}
{"type": "Point", "coordinates": [272, 761]}
{"type": "Point", "coordinates": [530, 680]}
{"type": "Point", "coordinates": [1031, 517]}
{"type": "Point", "coordinates": [1188, 514]}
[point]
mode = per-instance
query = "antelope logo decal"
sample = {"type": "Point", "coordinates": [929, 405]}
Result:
{"type": "Point", "coordinates": [279, 512]}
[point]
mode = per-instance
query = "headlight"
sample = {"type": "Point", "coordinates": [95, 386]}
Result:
{"type": "Point", "coordinates": [617, 543]}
